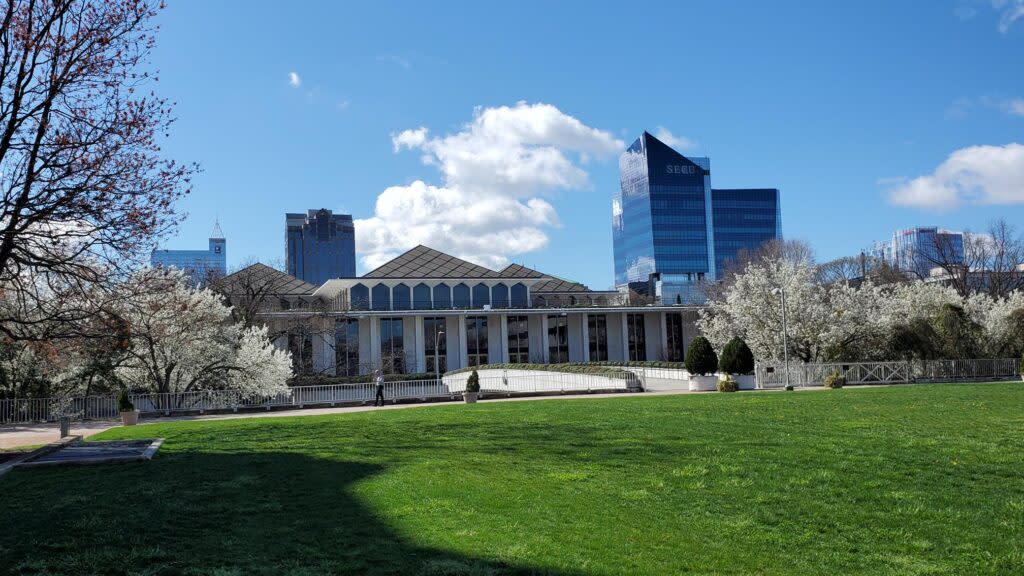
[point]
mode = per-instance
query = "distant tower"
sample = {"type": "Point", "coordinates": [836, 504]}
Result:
{"type": "Point", "coordinates": [320, 245]}
{"type": "Point", "coordinates": [219, 247]}
{"type": "Point", "coordinates": [200, 265]}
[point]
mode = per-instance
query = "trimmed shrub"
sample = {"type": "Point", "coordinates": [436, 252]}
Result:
{"type": "Point", "coordinates": [700, 357]}
{"type": "Point", "coordinates": [124, 403]}
{"type": "Point", "coordinates": [736, 358]}
{"type": "Point", "coordinates": [835, 380]}
{"type": "Point", "coordinates": [727, 385]}
{"type": "Point", "coordinates": [473, 382]}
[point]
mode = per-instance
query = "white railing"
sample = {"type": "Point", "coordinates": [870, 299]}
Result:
{"type": "Point", "coordinates": [505, 382]}
{"type": "Point", "coordinates": [773, 375]}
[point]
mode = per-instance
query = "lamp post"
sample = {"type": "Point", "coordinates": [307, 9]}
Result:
{"type": "Point", "coordinates": [437, 354]}
{"type": "Point", "coordinates": [785, 338]}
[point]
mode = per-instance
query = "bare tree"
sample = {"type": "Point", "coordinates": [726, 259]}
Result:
{"type": "Point", "coordinates": [85, 190]}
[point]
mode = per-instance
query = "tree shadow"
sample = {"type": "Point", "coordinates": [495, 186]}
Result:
{"type": "Point", "coordinates": [214, 513]}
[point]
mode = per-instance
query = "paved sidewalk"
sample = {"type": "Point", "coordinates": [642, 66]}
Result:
{"type": "Point", "coordinates": [33, 434]}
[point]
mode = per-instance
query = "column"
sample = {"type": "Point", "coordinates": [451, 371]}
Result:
{"type": "Point", "coordinates": [625, 335]}
{"type": "Point", "coordinates": [503, 338]}
{"type": "Point", "coordinates": [544, 338]}
{"type": "Point", "coordinates": [585, 336]}
{"type": "Point", "coordinates": [420, 341]}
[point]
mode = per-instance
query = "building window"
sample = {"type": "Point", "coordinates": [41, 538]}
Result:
{"type": "Point", "coordinates": [435, 345]}
{"type": "Point", "coordinates": [392, 346]}
{"type": "Point", "coordinates": [381, 297]}
{"type": "Point", "coordinates": [460, 296]}
{"type": "Point", "coordinates": [499, 296]}
{"type": "Point", "coordinates": [421, 297]}
{"type": "Point", "coordinates": [442, 297]}
{"type": "Point", "coordinates": [674, 329]}
{"type": "Point", "coordinates": [637, 339]}
{"type": "Point", "coordinates": [518, 340]}
{"type": "Point", "coordinates": [558, 339]}
{"type": "Point", "coordinates": [520, 298]}
{"type": "Point", "coordinates": [300, 344]}
{"type": "Point", "coordinates": [359, 295]}
{"type": "Point", "coordinates": [476, 340]}
{"type": "Point", "coordinates": [481, 295]}
{"type": "Point", "coordinates": [597, 328]}
{"type": "Point", "coordinates": [346, 347]}
{"type": "Point", "coordinates": [400, 295]}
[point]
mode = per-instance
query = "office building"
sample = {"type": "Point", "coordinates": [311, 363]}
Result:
{"type": "Point", "coordinates": [320, 245]}
{"type": "Point", "coordinates": [920, 250]}
{"type": "Point", "coordinates": [200, 265]}
{"type": "Point", "coordinates": [427, 311]}
{"type": "Point", "coordinates": [666, 239]}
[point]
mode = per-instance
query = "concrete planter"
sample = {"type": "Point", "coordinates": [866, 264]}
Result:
{"type": "Point", "coordinates": [745, 381]}
{"type": "Point", "coordinates": [703, 383]}
{"type": "Point", "coordinates": [470, 397]}
{"type": "Point", "coordinates": [130, 418]}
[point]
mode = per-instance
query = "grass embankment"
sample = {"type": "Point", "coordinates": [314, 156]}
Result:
{"type": "Point", "coordinates": [898, 480]}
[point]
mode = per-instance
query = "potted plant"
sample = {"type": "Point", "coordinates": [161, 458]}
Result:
{"type": "Point", "coordinates": [701, 363]}
{"type": "Point", "coordinates": [737, 362]}
{"type": "Point", "coordinates": [129, 415]}
{"type": "Point", "coordinates": [835, 380]}
{"type": "Point", "coordinates": [472, 388]}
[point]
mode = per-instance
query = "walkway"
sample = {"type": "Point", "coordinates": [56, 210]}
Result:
{"type": "Point", "coordinates": [43, 433]}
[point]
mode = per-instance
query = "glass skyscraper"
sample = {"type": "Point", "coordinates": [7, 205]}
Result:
{"type": "Point", "coordinates": [320, 245]}
{"type": "Point", "coordinates": [744, 219]}
{"type": "Point", "coordinates": [919, 250]}
{"type": "Point", "coordinates": [199, 265]}
{"type": "Point", "coordinates": [665, 230]}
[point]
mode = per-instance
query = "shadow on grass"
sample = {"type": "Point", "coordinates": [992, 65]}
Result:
{"type": "Point", "coordinates": [211, 513]}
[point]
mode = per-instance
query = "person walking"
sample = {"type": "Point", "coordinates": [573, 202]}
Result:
{"type": "Point", "coordinates": [379, 379]}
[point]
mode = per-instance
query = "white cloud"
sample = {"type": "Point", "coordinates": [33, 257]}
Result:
{"type": "Point", "coordinates": [1009, 12]}
{"type": "Point", "coordinates": [977, 174]}
{"type": "Point", "coordinates": [965, 12]}
{"type": "Point", "coordinates": [1014, 106]}
{"type": "Point", "coordinates": [395, 59]}
{"type": "Point", "coordinates": [495, 170]}
{"type": "Point", "coordinates": [677, 142]}
{"type": "Point", "coordinates": [293, 80]}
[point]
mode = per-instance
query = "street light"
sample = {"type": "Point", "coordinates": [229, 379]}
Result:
{"type": "Point", "coordinates": [785, 331]}
{"type": "Point", "coordinates": [437, 355]}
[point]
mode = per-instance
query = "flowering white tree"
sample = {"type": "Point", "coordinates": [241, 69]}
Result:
{"type": "Point", "coordinates": [184, 339]}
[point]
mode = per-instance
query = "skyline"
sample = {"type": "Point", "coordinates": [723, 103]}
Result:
{"type": "Point", "coordinates": [830, 98]}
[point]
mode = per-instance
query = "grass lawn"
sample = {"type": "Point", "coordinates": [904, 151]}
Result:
{"type": "Point", "coordinates": [903, 480]}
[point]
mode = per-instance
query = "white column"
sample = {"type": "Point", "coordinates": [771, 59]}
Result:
{"type": "Point", "coordinates": [374, 333]}
{"type": "Point", "coordinates": [463, 353]}
{"type": "Point", "coordinates": [421, 343]}
{"type": "Point", "coordinates": [323, 346]}
{"type": "Point", "coordinates": [585, 336]}
{"type": "Point", "coordinates": [544, 338]}
{"type": "Point", "coordinates": [663, 323]}
{"type": "Point", "coordinates": [503, 326]}
{"type": "Point", "coordinates": [625, 335]}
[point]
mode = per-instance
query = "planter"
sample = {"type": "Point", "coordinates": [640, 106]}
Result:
{"type": "Point", "coordinates": [745, 381]}
{"type": "Point", "coordinates": [130, 418]}
{"type": "Point", "coordinates": [703, 383]}
{"type": "Point", "coordinates": [470, 397]}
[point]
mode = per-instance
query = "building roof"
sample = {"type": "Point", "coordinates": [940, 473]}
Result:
{"type": "Point", "coordinates": [423, 262]}
{"type": "Point", "coordinates": [276, 282]}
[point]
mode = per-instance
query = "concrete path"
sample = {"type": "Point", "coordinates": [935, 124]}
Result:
{"type": "Point", "coordinates": [33, 434]}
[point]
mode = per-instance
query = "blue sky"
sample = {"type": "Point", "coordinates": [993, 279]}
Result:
{"type": "Point", "coordinates": [852, 109]}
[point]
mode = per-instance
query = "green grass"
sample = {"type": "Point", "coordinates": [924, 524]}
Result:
{"type": "Point", "coordinates": [902, 480]}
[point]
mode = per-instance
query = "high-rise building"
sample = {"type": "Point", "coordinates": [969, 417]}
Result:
{"type": "Point", "coordinates": [919, 250]}
{"type": "Point", "coordinates": [199, 265]}
{"type": "Point", "coordinates": [743, 219]}
{"type": "Point", "coordinates": [320, 245]}
{"type": "Point", "coordinates": [664, 222]}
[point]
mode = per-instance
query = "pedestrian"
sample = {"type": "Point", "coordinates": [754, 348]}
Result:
{"type": "Point", "coordinates": [379, 379]}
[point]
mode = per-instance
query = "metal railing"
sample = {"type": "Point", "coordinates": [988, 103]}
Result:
{"type": "Point", "coordinates": [19, 411]}
{"type": "Point", "coordinates": [773, 375]}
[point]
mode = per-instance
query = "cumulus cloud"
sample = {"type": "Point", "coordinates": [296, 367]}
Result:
{"type": "Point", "coordinates": [495, 172]}
{"type": "Point", "coordinates": [293, 80]}
{"type": "Point", "coordinates": [677, 142]}
{"type": "Point", "coordinates": [977, 174]}
{"type": "Point", "coordinates": [1014, 106]}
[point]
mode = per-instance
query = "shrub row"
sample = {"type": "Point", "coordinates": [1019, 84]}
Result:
{"type": "Point", "coordinates": [736, 357]}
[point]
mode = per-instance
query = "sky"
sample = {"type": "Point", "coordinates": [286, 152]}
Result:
{"type": "Point", "coordinates": [492, 131]}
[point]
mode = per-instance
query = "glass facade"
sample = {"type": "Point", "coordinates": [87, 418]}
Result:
{"type": "Point", "coordinates": [637, 338]}
{"type": "Point", "coordinates": [744, 219]}
{"type": "Point", "coordinates": [476, 340]}
{"type": "Point", "coordinates": [919, 250]}
{"type": "Point", "coordinates": [518, 340]}
{"type": "Point", "coordinates": [346, 347]}
{"type": "Point", "coordinates": [558, 339]}
{"type": "Point", "coordinates": [392, 346]}
{"type": "Point", "coordinates": [320, 245]}
{"type": "Point", "coordinates": [671, 231]}
{"type": "Point", "coordinates": [300, 344]}
{"type": "Point", "coordinates": [675, 347]}
{"type": "Point", "coordinates": [597, 334]}
{"type": "Point", "coordinates": [661, 221]}
{"type": "Point", "coordinates": [435, 345]}
{"type": "Point", "coordinates": [199, 265]}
